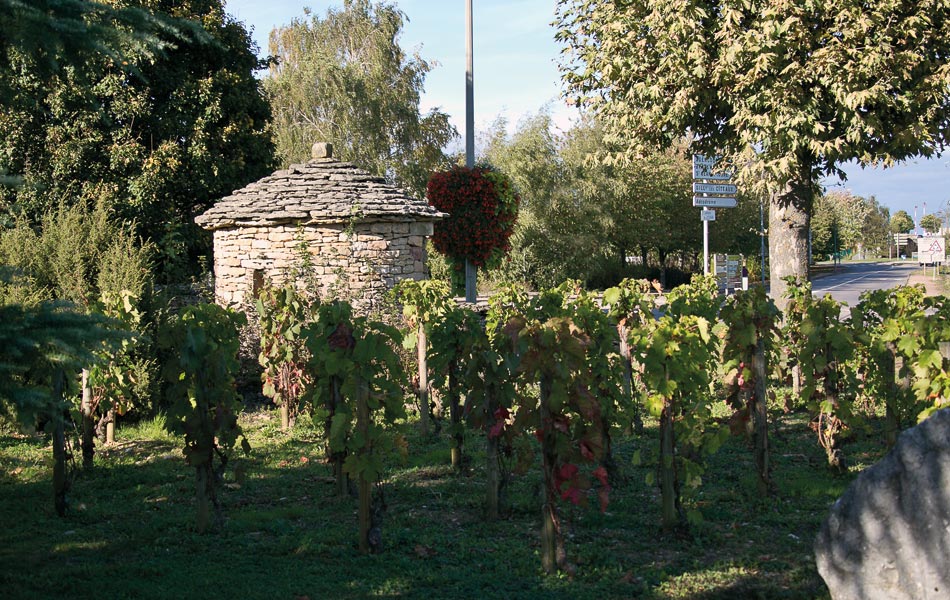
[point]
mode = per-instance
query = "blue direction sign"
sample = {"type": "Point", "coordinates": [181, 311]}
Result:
{"type": "Point", "coordinates": [726, 189]}
{"type": "Point", "coordinates": [704, 167]}
{"type": "Point", "coordinates": [714, 201]}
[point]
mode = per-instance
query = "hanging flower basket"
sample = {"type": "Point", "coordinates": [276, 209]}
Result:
{"type": "Point", "coordinates": [482, 207]}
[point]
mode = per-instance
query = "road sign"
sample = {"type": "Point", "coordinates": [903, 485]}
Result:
{"type": "Point", "coordinates": [704, 167]}
{"type": "Point", "coordinates": [714, 201]}
{"type": "Point", "coordinates": [707, 215]}
{"type": "Point", "coordinates": [931, 249]}
{"type": "Point", "coordinates": [715, 188]}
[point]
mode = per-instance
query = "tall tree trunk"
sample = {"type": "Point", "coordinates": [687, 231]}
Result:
{"type": "Point", "coordinates": [421, 347]}
{"type": "Point", "coordinates": [760, 419]}
{"type": "Point", "coordinates": [364, 485]}
{"type": "Point", "coordinates": [552, 545]}
{"type": "Point", "coordinates": [789, 222]}
{"type": "Point", "coordinates": [88, 410]}
{"type": "Point", "coordinates": [455, 413]}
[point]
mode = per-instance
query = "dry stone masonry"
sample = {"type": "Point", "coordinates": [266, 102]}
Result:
{"type": "Point", "coordinates": [356, 234]}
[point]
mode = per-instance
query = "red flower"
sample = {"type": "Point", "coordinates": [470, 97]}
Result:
{"type": "Point", "coordinates": [482, 209]}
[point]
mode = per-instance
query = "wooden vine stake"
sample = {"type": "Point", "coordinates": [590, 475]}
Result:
{"type": "Point", "coordinates": [60, 482]}
{"type": "Point", "coordinates": [88, 409]}
{"type": "Point", "coordinates": [669, 515]}
{"type": "Point", "coordinates": [365, 486]}
{"type": "Point", "coordinates": [760, 419]}
{"type": "Point", "coordinates": [422, 345]}
{"type": "Point", "coordinates": [552, 546]}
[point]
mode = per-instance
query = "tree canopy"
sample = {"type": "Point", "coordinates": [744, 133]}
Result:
{"type": "Point", "coordinates": [157, 136]}
{"type": "Point", "coordinates": [785, 91]}
{"type": "Point", "coordinates": [583, 219]}
{"type": "Point", "coordinates": [345, 79]}
{"type": "Point", "coordinates": [901, 222]}
{"type": "Point", "coordinates": [849, 224]}
{"type": "Point", "coordinates": [931, 223]}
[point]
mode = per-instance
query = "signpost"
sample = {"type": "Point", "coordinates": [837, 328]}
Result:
{"type": "Point", "coordinates": [711, 189]}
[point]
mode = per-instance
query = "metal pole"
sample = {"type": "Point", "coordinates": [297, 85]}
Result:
{"type": "Point", "coordinates": [762, 235]}
{"type": "Point", "coordinates": [471, 274]}
{"type": "Point", "coordinates": [705, 246]}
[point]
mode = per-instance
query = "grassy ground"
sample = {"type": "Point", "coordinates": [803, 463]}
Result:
{"type": "Point", "coordinates": [129, 533]}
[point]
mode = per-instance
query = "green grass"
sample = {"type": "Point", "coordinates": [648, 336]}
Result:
{"type": "Point", "coordinates": [129, 533]}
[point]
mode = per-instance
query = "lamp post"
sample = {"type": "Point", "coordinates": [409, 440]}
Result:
{"type": "Point", "coordinates": [471, 274]}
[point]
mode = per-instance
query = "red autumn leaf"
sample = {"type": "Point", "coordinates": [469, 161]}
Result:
{"type": "Point", "coordinates": [496, 429]}
{"type": "Point", "coordinates": [601, 474]}
{"type": "Point", "coordinates": [567, 472]}
{"type": "Point", "coordinates": [572, 495]}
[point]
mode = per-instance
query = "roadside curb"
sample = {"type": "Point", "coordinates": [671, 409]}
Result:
{"type": "Point", "coordinates": [933, 288]}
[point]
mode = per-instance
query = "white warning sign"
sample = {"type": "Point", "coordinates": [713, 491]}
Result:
{"type": "Point", "coordinates": [931, 249]}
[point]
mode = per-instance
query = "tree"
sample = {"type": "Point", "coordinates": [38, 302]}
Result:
{"type": "Point", "coordinates": [847, 223]}
{"type": "Point", "coordinates": [785, 92]}
{"type": "Point", "coordinates": [931, 223]}
{"type": "Point", "coordinates": [344, 79]}
{"type": "Point", "coordinates": [874, 230]}
{"type": "Point", "coordinates": [901, 222]}
{"type": "Point", "coordinates": [157, 136]}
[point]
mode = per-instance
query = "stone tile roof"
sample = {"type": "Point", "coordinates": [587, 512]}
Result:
{"type": "Point", "coordinates": [323, 190]}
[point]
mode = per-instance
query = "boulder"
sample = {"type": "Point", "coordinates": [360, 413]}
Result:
{"type": "Point", "coordinates": [888, 536]}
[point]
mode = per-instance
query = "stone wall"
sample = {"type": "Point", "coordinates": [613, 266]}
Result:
{"type": "Point", "coordinates": [356, 262]}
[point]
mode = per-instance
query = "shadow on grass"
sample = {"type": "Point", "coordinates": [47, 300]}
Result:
{"type": "Point", "coordinates": [288, 535]}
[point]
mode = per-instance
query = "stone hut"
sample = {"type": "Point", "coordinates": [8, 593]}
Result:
{"type": "Point", "coordinates": [354, 234]}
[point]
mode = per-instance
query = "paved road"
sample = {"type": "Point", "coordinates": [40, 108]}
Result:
{"type": "Point", "coordinates": [849, 280]}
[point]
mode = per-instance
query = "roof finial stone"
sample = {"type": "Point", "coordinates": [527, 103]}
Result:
{"type": "Point", "coordinates": [321, 150]}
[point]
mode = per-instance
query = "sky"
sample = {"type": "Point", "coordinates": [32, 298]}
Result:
{"type": "Point", "coordinates": [516, 75]}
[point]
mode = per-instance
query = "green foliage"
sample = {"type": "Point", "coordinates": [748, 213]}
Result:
{"type": "Point", "coordinates": [84, 255]}
{"type": "Point", "coordinates": [678, 352]}
{"type": "Point", "coordinates": [345, 354]}
{"type": "Point", "coordinates": [77, 254]}
{"type": "Point", "coordinates": [751, 319]}
{"type": "Point", "coordinates": [927, 349]}
{"type": "Point", "coordinates": [282, 315]}
{"type": "Point", "coordinates": [901, 222]}
{"type": "Point", "coordinates": [849, 224]}
{"type": "Point", "coordinates": [54, 34]}
{"type": "Point", "coordinates": [41, 343]}
{"type": "Point", "coordinates": [122, 377]}
{"type": "Point", "coordinates": [884, 322]}
{"type": "Point", "coordinates": [782, 91]}
{"type": "Point", "coordinates": [930, 223]}
{"type": "Point", "coordinates": [583, 219]}
{"type": "Point", "coordinates": [204, 404]}
{"type": "Point", "coordinates": [345, 79]}
{"type": "Point", "coordinates": [156, 137]}
{"type": "Point", "coordinates": [423, 304]}
{"type": "Point", "coordinates": [823, 346]}
{"type": "Point", "coordinates": [700, 299]}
